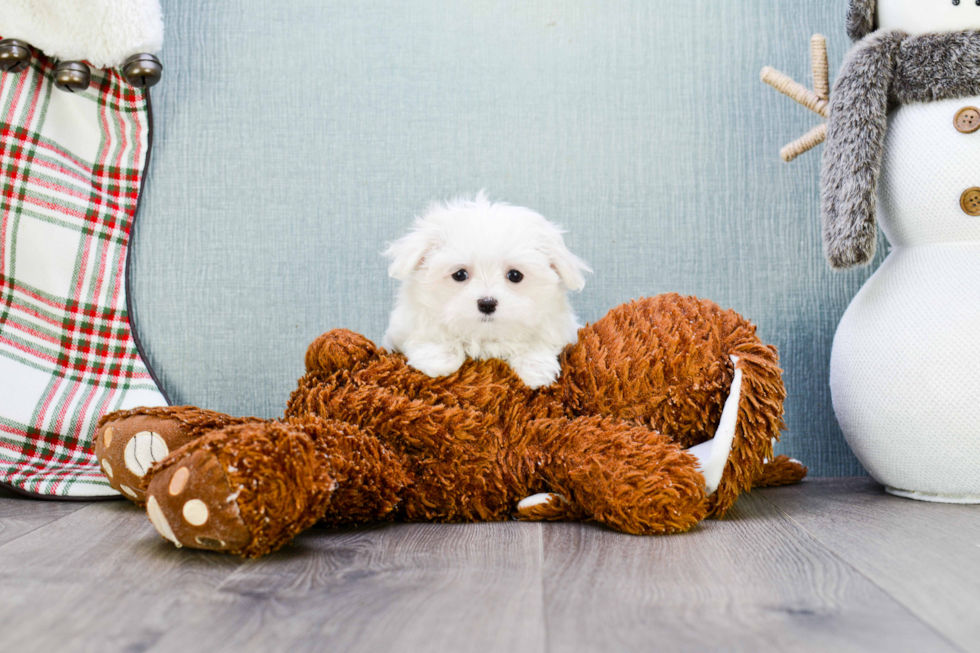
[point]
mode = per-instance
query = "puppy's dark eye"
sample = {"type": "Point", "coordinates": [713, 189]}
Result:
{"type": "Point", "coordinates": [460, 275]}
{"type": "Point", "coordinates": [514, 276]}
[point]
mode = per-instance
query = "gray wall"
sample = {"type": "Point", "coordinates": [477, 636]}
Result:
{"type": "Point", "coordinates": [294, 138]}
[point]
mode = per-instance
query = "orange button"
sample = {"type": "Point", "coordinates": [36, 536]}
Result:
{"type": "Point", "coordinates": [970, 201]}
{"type": "Point", "coordinates": [967, 120]}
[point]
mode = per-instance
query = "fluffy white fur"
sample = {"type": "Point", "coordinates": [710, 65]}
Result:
{"type": "Point", "coordinates": [102, 32]}
{"type": "Point", "coordinates": [437, 322]}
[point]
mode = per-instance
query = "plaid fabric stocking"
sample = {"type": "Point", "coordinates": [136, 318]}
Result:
{"type": "Point", "coordinates": [71, 166]}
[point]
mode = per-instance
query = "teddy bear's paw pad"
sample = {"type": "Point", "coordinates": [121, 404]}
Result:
{"type": "Point", "coordinates": [545, 506]}
{"type": "Point", "coordinates": [192, 504]}
{"type": "Point", "coordinates": [126, 449]}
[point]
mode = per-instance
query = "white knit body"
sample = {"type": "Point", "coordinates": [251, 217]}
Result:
{"type": "Point", "coordinates": [905, 366]}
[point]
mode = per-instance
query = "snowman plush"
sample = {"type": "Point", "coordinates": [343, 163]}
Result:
{"type": "Point", "coordinates": [903, 149]}
{"type": "Point", "coordinates": [903, 145]}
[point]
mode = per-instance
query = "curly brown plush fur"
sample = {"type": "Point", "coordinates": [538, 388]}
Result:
{"type": "Point", "coordinates": [365, 437]}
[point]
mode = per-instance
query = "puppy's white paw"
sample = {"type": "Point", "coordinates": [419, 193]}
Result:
{"type": "Point", "coordinates": [536, 369]}
{"type": "Point", "coordinates": [435, 360]}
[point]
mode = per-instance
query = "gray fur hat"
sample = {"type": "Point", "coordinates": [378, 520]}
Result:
{"type": "Point", "coordinates": [861, 18]}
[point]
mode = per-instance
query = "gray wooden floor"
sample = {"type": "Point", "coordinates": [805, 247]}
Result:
{"type": "Point", "coordinates": [827, 565]}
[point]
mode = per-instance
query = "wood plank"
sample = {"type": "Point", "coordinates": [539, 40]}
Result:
{"type": "Point", "coordinates": [20, 515]}
{"type": "Point", "coordinates": [398, 587]}
{"type": "Point", "coordinates": [753, 582]}
{"type": "Point", "coordinates": [926, 555]}
{"type": "Point", "coordinates": [101, 579]}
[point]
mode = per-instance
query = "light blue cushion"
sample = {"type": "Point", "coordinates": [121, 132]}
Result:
{"type": "Point", "coordinates": [294, 138]}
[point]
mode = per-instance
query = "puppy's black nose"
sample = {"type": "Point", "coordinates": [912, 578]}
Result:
{"type": "Point", "coordinates": [487, 305]}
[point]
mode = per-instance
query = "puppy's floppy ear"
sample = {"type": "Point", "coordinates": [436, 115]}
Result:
{"type": "Point", "coordinates": [569, 267]}
{"type": "Point", "coordinates": [408, 253]}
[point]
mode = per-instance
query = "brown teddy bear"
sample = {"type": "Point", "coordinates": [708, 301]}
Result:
{"type": "Point", "coordinates": [367, 438]}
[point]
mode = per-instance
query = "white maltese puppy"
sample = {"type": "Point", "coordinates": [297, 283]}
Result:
{"type": "Point", "coordinates": [484, 280]}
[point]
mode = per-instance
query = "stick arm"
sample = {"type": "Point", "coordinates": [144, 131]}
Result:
{"type": "Point", "coordinates": [816, 100]}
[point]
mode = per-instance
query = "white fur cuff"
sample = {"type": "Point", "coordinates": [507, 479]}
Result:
{"type": "Point", "coordinates": [102, 32]}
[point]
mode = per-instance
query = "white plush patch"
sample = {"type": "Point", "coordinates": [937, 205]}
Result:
{"type": "Point", "coordinates": [159, 521]}
{"type": "Point", "coordinates": [107, 467]}
{"type": "Point", "coordinates": [713, 455]}
{"type": "Point", "coordinates": [538, 499]}
{"type": "Point", "coordinates": [102, 32]}
{"type": "Point", "coordinates": [143, 450]}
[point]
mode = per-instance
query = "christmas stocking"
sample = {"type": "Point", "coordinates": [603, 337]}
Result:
{"type": "Point", "coordinates": [72, 162]}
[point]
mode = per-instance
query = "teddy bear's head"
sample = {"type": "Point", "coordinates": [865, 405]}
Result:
{"type": "Point", "coordinates": [912, 16]}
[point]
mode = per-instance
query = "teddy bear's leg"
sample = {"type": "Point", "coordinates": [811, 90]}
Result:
{"type": "Point", "coordinates": [128, 442]}
{"type": "Point", "coordinates": [627, 477]}
{"type": "Point", "coordinates": [713, 454]}
{"type": "Point", "coordinates": [368, 476]}
{"type": "Point", "coordinates": [249, 489]}
{"type": "Point", "coordinates": [664, 361]}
